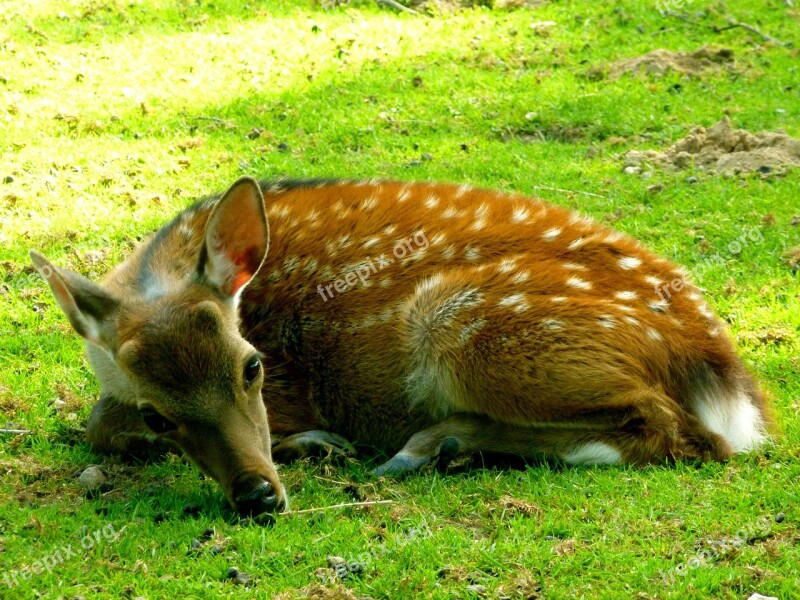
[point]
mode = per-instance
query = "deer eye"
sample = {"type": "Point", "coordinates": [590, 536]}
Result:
{"type": "Point", "coordinates": [155, 420]}
{"type": "Point", "coordinates": [252, 369]}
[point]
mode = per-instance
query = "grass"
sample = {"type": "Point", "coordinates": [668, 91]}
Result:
{"type": "Point", "coordinates": [114, 115]}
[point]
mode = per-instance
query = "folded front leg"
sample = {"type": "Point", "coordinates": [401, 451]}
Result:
{"type": "Point", "coordinates": [310, 443]}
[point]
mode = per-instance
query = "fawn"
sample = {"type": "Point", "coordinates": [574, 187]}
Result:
{"type": "Point", "coordinates": [426, 320]}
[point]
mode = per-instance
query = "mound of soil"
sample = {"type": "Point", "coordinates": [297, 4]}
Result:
{"type": "Point", "coordinates": [658, 62]}
{"type": "Point", "coordinates": [722, 149]}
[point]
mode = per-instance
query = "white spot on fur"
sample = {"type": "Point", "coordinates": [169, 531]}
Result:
{"type": "Point", "coordinates": [438, 238]}
{"type": "Point", "coordinates": [654, 281]}
{"type": "Point", "coordinates": [631, 320]}
{"type": "Point", "coordinates": [463, 189]}
{"type": "Point", "coordinates": [432, 201]}
{"type": "Point", "coordinates": [654, 335]}
{"type": "Point", "coordinates": [553, 324]}
{"type": "Point", "coordinates": [730, 415]}
{"type": "Point", "coordinates": [624, 308]}
{"type": "Point", "coordinates": [369, 203]}
{"type": "Point", "coordinates": [574, 266]}
{"type": "Point", "coordinates": [520, 214]}
{"type": "Point", "coordinates": [290, 264]}
{"type": "Point", "coordinates": [472, 253]}
{"type": "Point", "coordinates": [449, 252]}
{"type": "Point", "coordinates": [507, 265]}
{"type": "Point", "coordinates": [558, 299]}
{"type": "Point", "coordinates": [311, 266]}
{"type": "Point", "coordinates": [579, 283]}
{"type": "Point", "coordinates": [607, 321]}
{"type": "Point", "coordinates": [629, 262]}
{"type": "Point", "coordinates": [713, 332]}
{"type": "Point", "coordinates": [592, 453]}
{"type": "Point", "coordinates": [577, 219]}
{"type": "Point", "coordinates": [404, 194]}
{"type": "Point", "coordinates": [626, 295]}
{"type": "Point", "coordinates": [659, 306]}
{"type": "Point", "coordinates": [703, 309]}
{"type": "Point", "coordinates": [576, 243]}
{"type": "Point", "coordinates": [449, 212]}
{"type": "Point", "coordinates": [520, 277]}
{"type": "Point", "coordinates": [389, 229]}
{"type": "Point", "coordinates": [385, 282]}
{"type": "Point", "coordinates": [511, 300]}
{"type": "Point", "coordinates": [370, 242]}
{"type": "Point", "coordinates": [551, 234]}
{"type": "Point", "coordinates": [278, 211]}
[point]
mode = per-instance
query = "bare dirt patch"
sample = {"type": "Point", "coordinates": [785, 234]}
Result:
{"type": "Point", "coordinates": [660, 62]}
{"type": "Point", "coordinates": [721, 149]}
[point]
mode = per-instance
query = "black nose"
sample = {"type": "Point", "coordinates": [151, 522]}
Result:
{"type": "Point", "coordinates": [260, 500]}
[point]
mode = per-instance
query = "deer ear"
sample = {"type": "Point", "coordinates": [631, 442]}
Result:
{"type": "Point", "coordinates": [237, 237]}
{"type": "Point", "coordinates": [90, 309]}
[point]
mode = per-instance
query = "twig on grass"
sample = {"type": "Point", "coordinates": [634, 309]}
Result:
{"type": "Point", "coordinates": [555, 189]}
{"type": "Point", "coordinates": [398, 6]}
{"type": "Point", "coordinates": [345, 505]}
{"type": "Point", "coordinates": [732, 24]}
{"type": "Point", "coordinates": [16, 431]}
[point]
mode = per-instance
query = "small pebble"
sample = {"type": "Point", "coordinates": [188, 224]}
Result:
{"type": "Point", "coordinates": [159, 517]}
{"type": "Point", "coordinates": [630, 170]}
{"type": "Point", "coordinates": [243, 579]}
{"type": "Point", "coordinates": [283, 147]}
{"type": "Point", "coordinates": [691, 180]}
{"type": "Point", "coordinates": [427, 156]}
{"type": "Point", "coordinates": [231, 572]}
{"type": "Point", "coordinates": [795, 221]}
{"type": "Point", "coordinates": [215, 550]}
{"type": "Point", "coordinates": [780, 517]}
{"type": "Point", "coordinates": [655, 188]}
{"type": "Point", "coordinates": [8, 179]}
{"type": "Point", "coordinates": [764, 169]}
{"type": "Point", "coordinates": [207, 534]}
{"type": "Point", "coordinates": [477, 589]}
{"type": "Point", "coordinates": [196, 545]}
{"type": "Point", "coordinates": [335, 561]}
{"type": "Point", "coordinates": [92, 478]}
{"type": "Point", "coordinates": [356, 567]}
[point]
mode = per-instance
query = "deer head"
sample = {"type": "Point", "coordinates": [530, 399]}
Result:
{"type": "Point", "coordinates": [173, 352]}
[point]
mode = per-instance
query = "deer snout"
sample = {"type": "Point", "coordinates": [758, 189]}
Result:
{"type": "Point", "coordinates": [257, 498]}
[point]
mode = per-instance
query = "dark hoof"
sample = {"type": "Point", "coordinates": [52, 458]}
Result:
{"type": "Point", "coordinates": [401, 463]}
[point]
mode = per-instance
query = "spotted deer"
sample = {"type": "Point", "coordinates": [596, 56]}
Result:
{"type": "Point", "coordinates": [425, 320]}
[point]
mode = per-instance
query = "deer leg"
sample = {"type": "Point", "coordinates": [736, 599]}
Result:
{"type": "Point", "coordinates": [117, 428]}
{"type": "Point", "coordinates": [310, 443]}
{"type": "Point", "coordinates": [639, 427]}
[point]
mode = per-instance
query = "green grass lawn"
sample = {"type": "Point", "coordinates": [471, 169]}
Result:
{"type": "Point", "coordinates": [115, 114]}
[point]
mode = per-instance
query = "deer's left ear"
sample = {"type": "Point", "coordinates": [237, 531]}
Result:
{"type": "Point", "coordinates": [237, 238]}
